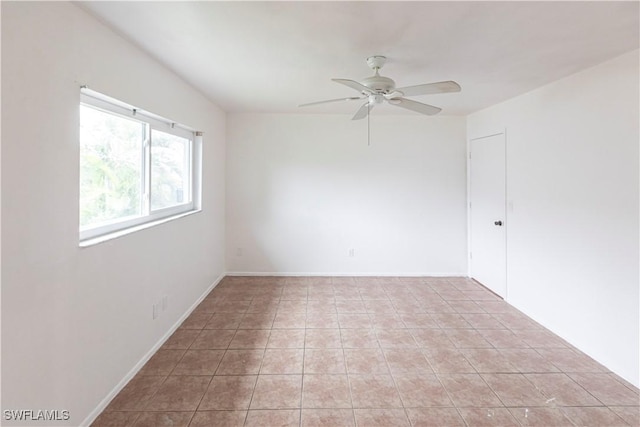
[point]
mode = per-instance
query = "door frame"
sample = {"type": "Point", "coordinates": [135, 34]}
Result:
{"type": "Point", "coordinates": [502, 131]}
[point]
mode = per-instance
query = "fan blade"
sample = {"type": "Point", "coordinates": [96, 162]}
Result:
{"type": "Point", "coordinates": [430, 88]}
{"type": "Point", "coordinates": [416, 106]}
{"type": "Point", "coordinates": [362, 112]}
{"type": "Point", "coordinates": [353, 98]}
{"type": "Point", "coordinates": [353, 85]}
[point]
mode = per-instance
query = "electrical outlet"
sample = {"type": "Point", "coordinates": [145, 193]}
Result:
{"type": "Point", "coordinates": [352, 252]}
{"type": "Point", "coordinates": [239, 252]}
{"type": "Point", "coordinates": [155, 311]}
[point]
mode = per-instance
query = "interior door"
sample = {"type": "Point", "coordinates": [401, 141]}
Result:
{"type": "Point", "coordinates": [488, 256]}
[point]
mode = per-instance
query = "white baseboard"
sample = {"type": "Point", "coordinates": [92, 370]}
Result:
{"type": "Point", "coordinates": [105, 402]}
{"type": "Point", "coordinates": [332, 274]}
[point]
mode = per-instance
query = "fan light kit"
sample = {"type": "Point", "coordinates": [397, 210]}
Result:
{"type": "Point", "coordinates": [377, 89]}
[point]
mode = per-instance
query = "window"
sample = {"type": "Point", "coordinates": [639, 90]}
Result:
{"type": "Point", "coordinates": [135, 167]}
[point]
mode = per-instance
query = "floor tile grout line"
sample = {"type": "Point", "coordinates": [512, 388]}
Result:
{"type": "Point", "coordinates": [574, 382]}
{"type": "Point", "coordinates": [304, 359]}
{"type": "Point", "coordinates": [252, 393]}
{"type": "Point", "coordinates": [395, 383]}
{"type": "Point", "coordinates": [453, 402]}
{"type": "Point", "coordinates": [451, 399]}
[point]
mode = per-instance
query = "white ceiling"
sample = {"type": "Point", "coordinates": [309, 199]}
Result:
{"type": "Point", "coordinates": [272, 56]}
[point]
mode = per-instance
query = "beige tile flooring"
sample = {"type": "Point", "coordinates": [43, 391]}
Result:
{"type": "Point", "coordinates": [338, 351]}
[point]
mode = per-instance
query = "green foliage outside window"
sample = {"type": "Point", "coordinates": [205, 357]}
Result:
{"type": "Point", "coordinates": [110, 166]}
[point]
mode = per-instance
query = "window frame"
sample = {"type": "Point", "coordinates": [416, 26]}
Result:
{"type": "Point", "coordinates": [148, 216]}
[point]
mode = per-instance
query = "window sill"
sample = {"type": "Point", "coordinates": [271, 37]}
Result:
{"type": "Point", "coordinates": [116, 234]}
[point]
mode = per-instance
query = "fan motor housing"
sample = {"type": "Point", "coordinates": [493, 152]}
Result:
{"type": "Point", "coordinates": [379, 84]}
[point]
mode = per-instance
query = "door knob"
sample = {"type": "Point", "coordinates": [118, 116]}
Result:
{"type": "Point", "coordinates": [498, 223]}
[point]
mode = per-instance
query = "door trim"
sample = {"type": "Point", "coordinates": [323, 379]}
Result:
{"type": "Point", "coordinates": [506, 203]}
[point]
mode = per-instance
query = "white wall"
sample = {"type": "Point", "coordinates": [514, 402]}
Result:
{"type": "Point", "coordinates": [572, 172]}
{"type": "Point", "coordinates": [76, 320]}
{"type": "Point", "coordinates": [304, 189]}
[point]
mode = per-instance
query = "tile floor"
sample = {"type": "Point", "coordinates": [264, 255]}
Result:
{"type": "Point", "coordinates": [339, 351]}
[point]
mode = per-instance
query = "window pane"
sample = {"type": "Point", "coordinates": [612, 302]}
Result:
{"type": "Point", "coordinates": [110, 166]}
{"type": "Point", "coordinates": [170, 170]}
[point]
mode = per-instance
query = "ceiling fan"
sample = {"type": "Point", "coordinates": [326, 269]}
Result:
{"type": "Point", "coordinates": [377, 89]}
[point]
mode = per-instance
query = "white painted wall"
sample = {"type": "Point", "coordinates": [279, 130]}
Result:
{"type": "Point", "coordinates": [304, 189]}
{"type": "Point", "coordinates": [76, 320]}
{"type": "Point", "coordinates": [572, 176]}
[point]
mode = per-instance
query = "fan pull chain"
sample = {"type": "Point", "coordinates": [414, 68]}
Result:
{"type": "Point", "coordinates": [368, 126]}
